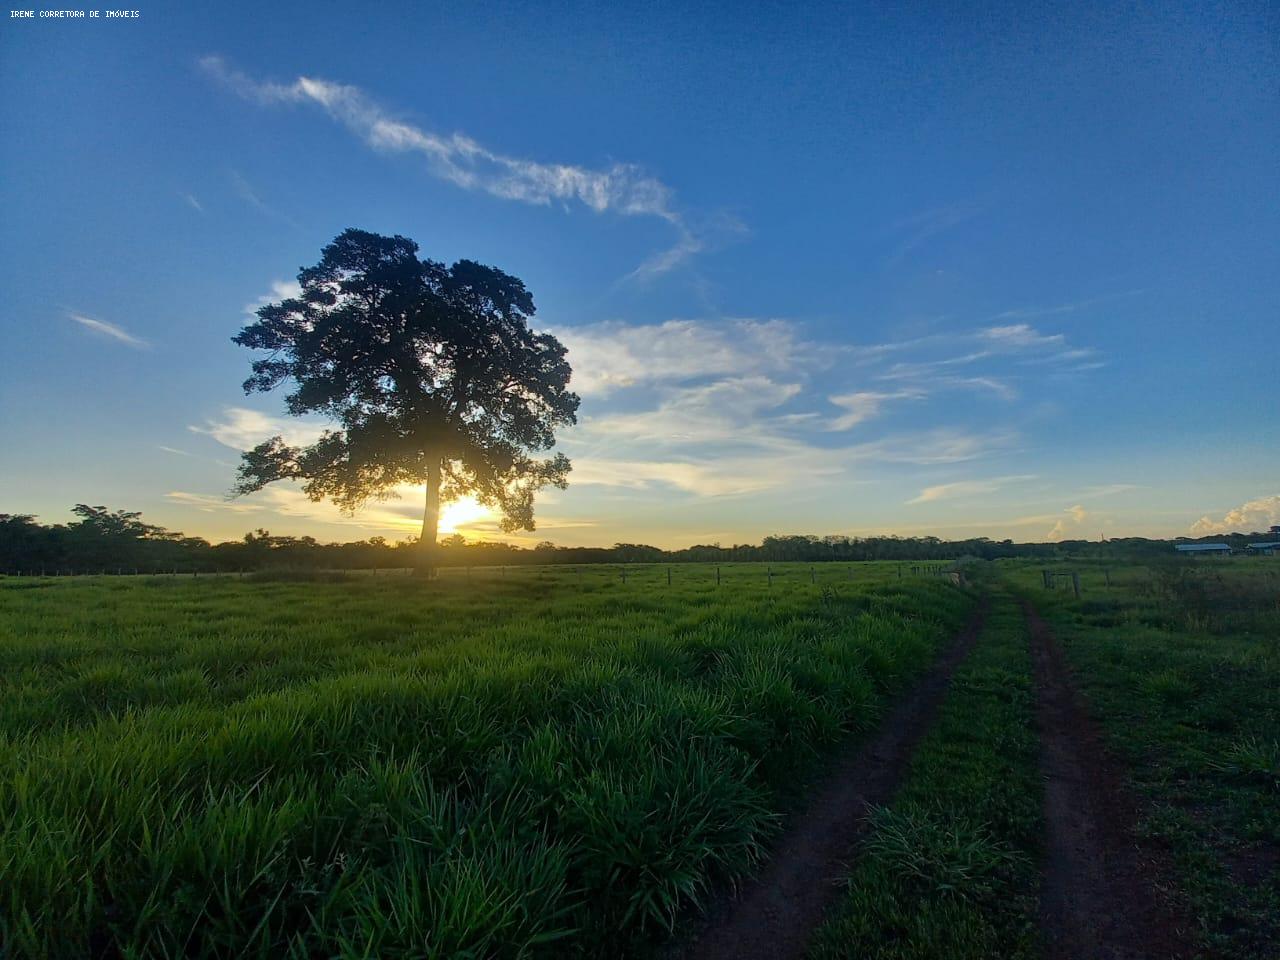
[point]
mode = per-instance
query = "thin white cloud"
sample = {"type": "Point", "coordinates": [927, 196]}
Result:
{"type": "Point", "coordinates": [207, 503]}
{"type": "Point", "coordinates": [1097, 491]}
{"type": "Point", "coordinates": [1075, 516]}
{"type": "Point", "coordinates": [193, 202]}
{"type": "Point", "coordinates": [1020, 336]}
{"type": "Point", "coordinates": [280, 290]}
{"type": "Point", "coordinates": [1254, 516]}
{"type": "Point", "coordinates": [766, 460]}
{"type": "Point", "coordinates": [967, 488]}
{"type": "Point", "coordinates": [1001, 389]}
{"type": "Point", "coordinates": [109, 330]}
{"type": "Point", "coordinates": [242, 429]}
{"type": "Point", "coordinates": [620, 188]}
{"type": "Point", "coordinates": [923, 227]}
{"type": "Point", "coordinates": [173, 450]}
{"type": "Point", "coordinates": [865, 405]}
{"type": "Point", "coordinates": [941, 445]}
{"type": "Point", "coordinates": [613, 355]}
{"type": "Point", "coordinates": [1021, 313]}
{"type": "Point", "coordinates": [249, 195]}
{"type": "Point", "coordinates": [712, 412]}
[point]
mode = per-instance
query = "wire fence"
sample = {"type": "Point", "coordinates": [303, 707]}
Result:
{"type": "Point", "coordinates": [828, 572]}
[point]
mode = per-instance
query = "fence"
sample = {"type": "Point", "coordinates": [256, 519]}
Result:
{"type": "Point", "coordinates": [827, 573]}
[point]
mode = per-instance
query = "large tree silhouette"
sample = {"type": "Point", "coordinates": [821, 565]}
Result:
{"type": "Point", "coordinates": [430, 374]}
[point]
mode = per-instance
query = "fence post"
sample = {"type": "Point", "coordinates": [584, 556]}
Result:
{"type": "Point", "coordinates": [770, 570]}
{"type": "Point", "coordinates": [668, 576]}
{"type": "Point", "coordinates": [813, 576]}
{"type": "Point", "coordinates": [717, 576]}
{"type": "Point", "coordinates": [1075, 582]}
{"type": "Point", "coordinates": [1107, 574]}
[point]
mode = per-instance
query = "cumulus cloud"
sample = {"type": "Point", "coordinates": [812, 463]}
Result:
{"type": "Point", "coordinates": [619, 188]}
{"type": "Point", "coordinates": [109, 330]}
{"type": "Point", "coordinates": [1251, 517]}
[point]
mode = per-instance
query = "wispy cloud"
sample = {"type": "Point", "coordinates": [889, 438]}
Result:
{"type": "Point", "coordinates": [923, 227]}
{"type": "Point", "coordinates": [280, 290]}
{"type": "Point", "coordinates": [1021, 313]}
{"type": "Point", "coordinates": [1254, 516]}
{"type": "Point", "coordinates": [1020, 336]}
{"type": "Point", "coordinates": [967, 488]}
{"type": "Point", "coordinates": [246, 192]}
{"type": "Point", "coordinates": [619, 188]}
{"type": "Point", "coordinates": [192, 202]}
{"type": "Point", "coordinates": [242, 429]}
{"type": "Point", "coordinates": [208, 503]}
{"type": "Point", "coordinates": [1098, 491]}
{"type": "Point", "coordinates": [864, 405]}
{"type": "Point", "coordinates": [109, 330]}
{"type": "Point", "coordinates": [733, 407]}
{"type": "Point", "coordinates": [613, 355]}
{"type": "Point", "coordinates": [1075, 516]}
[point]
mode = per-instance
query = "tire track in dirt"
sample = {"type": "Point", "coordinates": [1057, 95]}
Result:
{"type": "Point", "coordinates": [1099, 899]}
{"type": "Point", "coordinates": [774, 915]}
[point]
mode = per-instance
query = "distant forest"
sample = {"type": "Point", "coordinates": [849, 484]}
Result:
{"type": "Point", "coordinates": [118, 541]}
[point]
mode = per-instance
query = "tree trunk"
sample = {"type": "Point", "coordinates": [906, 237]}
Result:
{"type": "Point", "coordinates": [430, 523]}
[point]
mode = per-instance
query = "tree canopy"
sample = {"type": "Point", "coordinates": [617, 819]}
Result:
{"type": "Point", "coordinates": [430, 375]}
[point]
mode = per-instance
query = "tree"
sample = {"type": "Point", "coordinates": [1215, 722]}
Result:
{"type": "Point", "coordinates": [430, 375]}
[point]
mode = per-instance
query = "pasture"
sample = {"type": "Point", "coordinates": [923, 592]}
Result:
{"type": "Point", "coordinates": [547, 761]}
{"type": "Point", "coordinates": [560, 761]}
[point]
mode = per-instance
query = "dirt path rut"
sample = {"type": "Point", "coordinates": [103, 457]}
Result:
{"type": "Point", "coordinates": [1098, 900]}
{"type": "Point", "coordinates": [774, 915]}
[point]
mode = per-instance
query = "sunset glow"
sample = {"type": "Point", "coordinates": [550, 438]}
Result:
{"type": "Point", "coordinates": [465, 514]}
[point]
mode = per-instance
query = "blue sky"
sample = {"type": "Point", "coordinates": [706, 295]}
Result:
{"type": "Point", "coordinates": [1005, 270]}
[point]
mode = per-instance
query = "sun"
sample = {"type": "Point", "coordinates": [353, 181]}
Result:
{"type": "Point", "coordinates": [464, 512]}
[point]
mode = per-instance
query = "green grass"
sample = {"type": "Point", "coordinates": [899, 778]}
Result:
{"type": "Point", "coordinates": [1180, 663]}
{"type": "Point", "coordinates": [949, 868]}
{"type": "Point", "coordinates": [543, 763]}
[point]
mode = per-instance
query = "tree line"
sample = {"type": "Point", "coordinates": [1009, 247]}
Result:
{"type": "Point", "coordinates": [102, 540]}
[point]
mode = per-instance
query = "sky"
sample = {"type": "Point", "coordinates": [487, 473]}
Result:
{"type": "Point", "coordinates": [1005, 270]}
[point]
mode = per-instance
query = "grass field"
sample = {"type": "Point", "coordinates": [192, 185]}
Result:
{"type": "Point", "coordinates": [1180, 662]}
{"type": "Point", "coordinates": [552, 761]}
{"type": "Point", "coordinates": [558, 761]}
{"type": "Point", "coordinates": [950, 867]}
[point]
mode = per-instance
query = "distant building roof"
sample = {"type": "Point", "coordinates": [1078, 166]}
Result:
{"type": "Point", "coordinates": [1264, 546]}
{"type": "Point", "coordinates": [1203, 547]}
